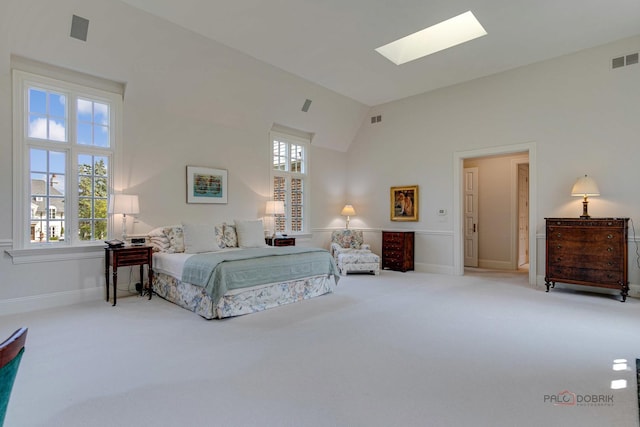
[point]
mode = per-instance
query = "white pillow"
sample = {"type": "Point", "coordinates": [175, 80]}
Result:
{"type": "Point", "coordinates": [250, 234]}
{"type": "Point", "coordinates": [199, 238]}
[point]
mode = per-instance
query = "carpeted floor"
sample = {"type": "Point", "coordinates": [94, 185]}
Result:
{"type": "Point", "coordinates": [410, 349]}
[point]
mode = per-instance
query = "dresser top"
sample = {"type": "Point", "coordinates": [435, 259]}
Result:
{"type": "Point", "coordinates": [586, 219]}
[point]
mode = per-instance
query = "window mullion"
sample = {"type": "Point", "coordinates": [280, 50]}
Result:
{"type": "Point", "coordinates": [72, 182]}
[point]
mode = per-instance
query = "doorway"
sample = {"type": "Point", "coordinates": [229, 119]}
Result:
{"type": "Point", "coordinates": [522, 244]}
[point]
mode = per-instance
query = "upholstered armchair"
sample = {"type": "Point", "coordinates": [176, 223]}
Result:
{"type": "Point", "coordinates": [352, 254]}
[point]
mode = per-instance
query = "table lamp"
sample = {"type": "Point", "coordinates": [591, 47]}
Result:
{"type": "Point", "coordinates": [585, 187]}
{"type": "Point", "coordinates": [125, 204]}
{"type": "Point", "coordinates": [348, 211]}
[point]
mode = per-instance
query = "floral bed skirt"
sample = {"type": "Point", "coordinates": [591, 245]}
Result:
{"type": "Point", "coordinates": [243, 301]}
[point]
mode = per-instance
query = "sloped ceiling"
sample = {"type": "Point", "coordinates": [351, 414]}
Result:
{"type": "Point", "coordinates": [332, 42]}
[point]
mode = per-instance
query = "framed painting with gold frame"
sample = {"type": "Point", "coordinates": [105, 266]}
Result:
{"type": "Point", "coordinates": [404, 203]}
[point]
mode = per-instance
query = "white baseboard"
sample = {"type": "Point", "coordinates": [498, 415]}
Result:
{"type": "Point", "coordinates": [495, 265]}
{"type": "Point", "coordinates": [45, 301]}
{"type": "Point", "coordinates": [433, 268]}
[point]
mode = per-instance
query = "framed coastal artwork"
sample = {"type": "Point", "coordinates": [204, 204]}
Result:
{"type": "Point", "coordinates": [206, 185]}
{"type": "Point", "coordinates": [404, 203]}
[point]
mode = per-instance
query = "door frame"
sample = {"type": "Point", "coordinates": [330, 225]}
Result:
{"type": "Point", "coordinates": [458, 193]}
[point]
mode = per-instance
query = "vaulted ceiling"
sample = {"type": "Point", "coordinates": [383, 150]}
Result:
{"type": "Point", "coordinates": [332, 42]}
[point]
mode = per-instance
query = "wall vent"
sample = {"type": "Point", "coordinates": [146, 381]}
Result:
{"type": "Point", "coordinates": [79, 28]}
{"type": "Point", "coordinates": [306, 105]}
{"type": "Point", "coordinates": [623, 61]}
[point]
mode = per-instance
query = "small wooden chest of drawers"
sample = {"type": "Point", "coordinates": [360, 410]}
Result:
{"type": "Point", "coordinates": [591, 252]}
{"type": "Point", "coordinates": [397, 250]}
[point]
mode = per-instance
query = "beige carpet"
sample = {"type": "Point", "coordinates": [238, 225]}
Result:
{"type": "Point", "coordinates": [400, 349]}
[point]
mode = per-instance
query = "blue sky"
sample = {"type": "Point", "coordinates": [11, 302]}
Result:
{"type": "Point", "coordinates": [48, 120]}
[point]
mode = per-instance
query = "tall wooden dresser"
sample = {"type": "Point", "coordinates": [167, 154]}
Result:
{"type": "Point", "coordinates": [397, 250]}
{"type": "Point", "coordinates": [590, 252]}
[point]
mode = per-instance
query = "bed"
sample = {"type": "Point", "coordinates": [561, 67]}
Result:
{"type": "Point", "coordinates": [231, 280]}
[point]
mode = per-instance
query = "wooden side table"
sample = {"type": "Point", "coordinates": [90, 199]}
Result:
{"type": "Point", "coordinates": [280, 241]}
{"type": "Point", "coordinates": [124, 256]}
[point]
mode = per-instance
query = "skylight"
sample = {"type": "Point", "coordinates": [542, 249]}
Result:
{"type": "Point", "coordinates": [446, 34]}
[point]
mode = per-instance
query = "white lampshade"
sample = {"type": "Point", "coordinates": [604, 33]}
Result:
{"type": "Point", "coordinates": [274, 207]}
{"type": "Point", "coordinates": [124, 204]}
{"type": "Point", "coordinates": [348, 210]}
{"type": "Point", "coordinates": [585, 186]}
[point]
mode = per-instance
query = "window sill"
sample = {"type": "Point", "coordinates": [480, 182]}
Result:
{"type": "Point", "coordinates": [69, 253]}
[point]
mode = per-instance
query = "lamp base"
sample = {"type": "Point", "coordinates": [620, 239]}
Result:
{"type": "Point", "coordinates": [585, 214]}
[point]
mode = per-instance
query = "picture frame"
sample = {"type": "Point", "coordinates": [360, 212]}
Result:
{"type": "Point", "coordinates": [206, 185]}
{"type": "Point", "coordinates": [404, 203]}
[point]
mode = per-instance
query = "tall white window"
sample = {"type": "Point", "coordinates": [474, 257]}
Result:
{"type": "Point", "coordinates": [65, 143]}
{"type": "Point", "coordinates": [289, 179]}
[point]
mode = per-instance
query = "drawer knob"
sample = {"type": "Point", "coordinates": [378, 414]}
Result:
{"type": "Point", "coordinates": [610, 236]}
{"type": "Point", "coordinates": [610, 249]}
{"type": "Point", "coordinates": [559, 234]}
{"type": "Point", "coordinates": [559, 246]}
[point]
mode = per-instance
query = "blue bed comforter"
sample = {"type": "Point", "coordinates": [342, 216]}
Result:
{"type": "Point", "coordinates": [219, 272]}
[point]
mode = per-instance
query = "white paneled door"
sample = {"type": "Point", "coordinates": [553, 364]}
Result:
{"type": "Point", "coordinates": [470, 217]}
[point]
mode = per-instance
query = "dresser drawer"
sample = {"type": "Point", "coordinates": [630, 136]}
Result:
{"type": "Point", "coordinates": [560, 273]}
{"type": "Point", "coordinates": [592, 252]}
{"type": "Point", "coordinates": [393, 238]}
{"type": "Point", "coordinates": [393, 264]}
{"type": "Point", "coordinates": [594, 262]}
{"type": "Point", "coordinates": [584, 235]}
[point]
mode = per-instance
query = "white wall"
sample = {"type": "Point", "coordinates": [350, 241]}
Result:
{"type": "Point", "coordinates": [581, 116]}
{"type": "Point", "coordinates": [188, 101]}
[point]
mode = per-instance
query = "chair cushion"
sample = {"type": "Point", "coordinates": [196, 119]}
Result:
{"type": "Point", "coordinates": [7, 378]}
{"type": "Point", "coordinates": [348, 238]}
{"type": "Point", "coordinates": [358, 257]}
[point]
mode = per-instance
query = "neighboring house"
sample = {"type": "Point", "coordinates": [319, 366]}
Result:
{"type": "Point", "coordinates": [46, 219]}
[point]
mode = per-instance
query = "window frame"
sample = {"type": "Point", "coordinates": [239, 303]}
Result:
{"type": "Point", "coordinates": [60, 81]}
{"type": "Point", "coordinates": [288, 175]}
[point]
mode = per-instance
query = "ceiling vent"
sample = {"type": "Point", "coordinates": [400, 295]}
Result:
{"type": "Point", "coordinates": [623, 61]}
{"type": "Point", "coordinates": [306, 105]}
{"type": "Point", "coordinates": [376, 119]}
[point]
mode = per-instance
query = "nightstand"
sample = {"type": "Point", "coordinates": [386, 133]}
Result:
{"type": "Point", "coordinates": [125, 256]}
{"type": "Point", "coordinates": [280, 241]}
